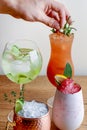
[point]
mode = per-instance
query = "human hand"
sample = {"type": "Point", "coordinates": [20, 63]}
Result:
{"type": "Point", "coordinates": [49, 12]}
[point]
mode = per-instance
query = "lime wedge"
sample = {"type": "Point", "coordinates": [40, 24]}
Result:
{"type": "Point", "coordinates": [59, 78]}
{"type": "Point", "coordinates": [18, 105]}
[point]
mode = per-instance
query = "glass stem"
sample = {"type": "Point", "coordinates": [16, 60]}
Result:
{"type": "Point", "coordinates": [22, 92]}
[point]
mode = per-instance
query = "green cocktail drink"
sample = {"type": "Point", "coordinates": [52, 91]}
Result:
{"type": "Point", "coordinates": [21, 64]}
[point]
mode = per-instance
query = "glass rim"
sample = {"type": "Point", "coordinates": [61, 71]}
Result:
{"type": "Point", "coordinates": [21, 40]}
{"type": "Point", "coordinates": [11, 114]}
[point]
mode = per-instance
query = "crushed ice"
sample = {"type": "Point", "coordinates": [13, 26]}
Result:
{"type": "Point", "coordinates": [33, 109]}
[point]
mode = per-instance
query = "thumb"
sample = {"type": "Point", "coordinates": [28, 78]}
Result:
{"type": "Point", "coordinates": [51, 22]}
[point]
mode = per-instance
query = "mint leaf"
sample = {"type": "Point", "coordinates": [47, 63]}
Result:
{"type": "Point", "coordinates": [68, 70]}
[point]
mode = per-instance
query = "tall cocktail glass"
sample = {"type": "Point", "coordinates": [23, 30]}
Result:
{"type": "Point", "coordinates": [61, 46]}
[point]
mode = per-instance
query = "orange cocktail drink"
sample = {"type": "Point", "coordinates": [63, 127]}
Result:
{"type": "Point", "coordinates": [60, 55]}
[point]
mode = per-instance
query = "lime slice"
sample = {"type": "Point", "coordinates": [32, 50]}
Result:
{"type": "Point", "coordinates": [59, 78]}
{"type": "Point", "coordinates": [18, 105]}
{"type": "Point", "coordinates": [20, 53]}
{"type": "Point", "coordinates": [15, 51]}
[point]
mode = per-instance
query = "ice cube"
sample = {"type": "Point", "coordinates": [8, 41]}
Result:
{"type": "Point", "coordinates": [18, 66]}
{"type": "Point", "coordinates": [33, 55]}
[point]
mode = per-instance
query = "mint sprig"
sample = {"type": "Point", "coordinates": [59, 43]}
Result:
{"type": "Point", "coordinates": [67, 29]}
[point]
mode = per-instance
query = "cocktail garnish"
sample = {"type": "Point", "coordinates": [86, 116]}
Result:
{"type": "Point", "coordinates": [19, 105]}
{"type": "Point", "coordinates": [15, 51]}
{"type": "Point", "coordinates": [68, 86]}
{"type": "Point", "coordinates": [66, 29]}
{"type": "Point", "coordinates": [68, 70]}
{"type": "Point", "coordinates": [67, 74]}
{"type": "Point", "coordinates": [59, 78]}
{"type": "Point", "coordinates": [20, 53]}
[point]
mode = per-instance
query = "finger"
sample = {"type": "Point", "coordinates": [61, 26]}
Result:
{"type": "Point", "coordinates": [51, 22]}
{"type": "Point", "coordinates": [62, 18]}
{"type": "Point", "coordinates": [54, 15]}
{"type": "Point", "coordinates": [68, 16]}
{"type": "Point", "coordinates": [61, 10]}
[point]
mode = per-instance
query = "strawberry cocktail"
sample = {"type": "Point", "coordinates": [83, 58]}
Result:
{"type": "Point", "coordinates": [68, 106]}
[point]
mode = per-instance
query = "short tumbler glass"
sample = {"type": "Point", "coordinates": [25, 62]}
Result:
{"type": "Point", "coordinates": [21, 123]}
{"type": "Point", "coordinates": [68, 110]}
